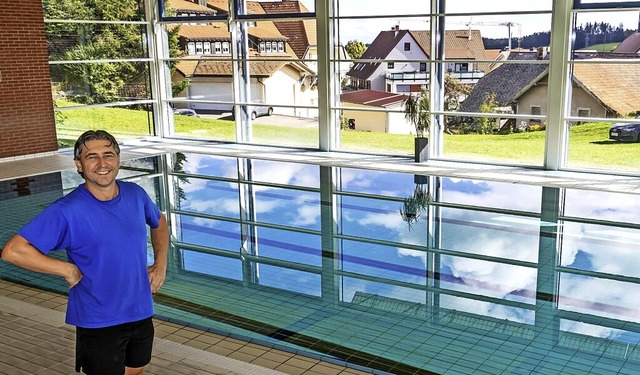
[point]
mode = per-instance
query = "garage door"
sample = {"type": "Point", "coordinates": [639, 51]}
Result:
{"type": "Point", "coordinates": [216, 91]}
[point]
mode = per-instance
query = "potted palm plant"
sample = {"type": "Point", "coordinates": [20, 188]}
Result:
{"type": "Point", "coordinates": [416, 111]}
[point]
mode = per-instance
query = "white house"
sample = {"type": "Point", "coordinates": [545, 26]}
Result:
{"type": "Point", "coordinates": [395, 75]}
{"type": "Point", "coordinates": [277, 75]}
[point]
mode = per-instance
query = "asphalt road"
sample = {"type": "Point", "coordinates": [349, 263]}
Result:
{"type": "Point", "coordinates": [279, 120]}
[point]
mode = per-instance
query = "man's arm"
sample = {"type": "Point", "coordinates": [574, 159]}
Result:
{"type": "Point", "coordinates": [160, 243]}
{"type": "Point", "coordinates": [21, 253]}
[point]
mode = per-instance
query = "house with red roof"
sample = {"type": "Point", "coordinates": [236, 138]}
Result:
{"type": "Point", "coordinates": [362, 114]}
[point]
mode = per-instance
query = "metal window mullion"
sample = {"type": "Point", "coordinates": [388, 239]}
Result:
{"type": "Point", "coordinates": [436, 82]}
{"type": "Point", "coordinates": [556, 139]}
{"type": "Point", "coordinates": [160, 77]}
{"type": "Point", "coordinates": [328, 134]}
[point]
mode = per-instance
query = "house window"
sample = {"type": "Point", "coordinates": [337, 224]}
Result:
{"type": "Point", "coordinates": [535, 110]}
{"type": "Point", "coordinates": [225, 47]}
{"type": "Point", "coordinates": [218, 47]}
{"type": "Point", "coordinates": [584, 112]}
{"type": "Point", "coordinates": [390, 65]}
{"type": "Point", "coordinates": [407, 46]}
{"type": "Point", "coordinates": [423, 67]}
{"type": "Point", "coordinates": [268, 44]}
{"type": "Point", "coordinates": [462, 67]}
{"type": "Point", "coordinates": [191, 48]}
{"type": "Point", "coordinates": [280, 46]}
{"type": "Point", "coordinates": [199, 48]}
{"type": "Point", "coordinates": [262, 48]}
{"type": "Point", "coordinates": [207, 48]}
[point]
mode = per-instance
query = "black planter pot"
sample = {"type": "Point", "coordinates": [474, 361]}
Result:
{"type": "Point", "coordinates": [421, 149]}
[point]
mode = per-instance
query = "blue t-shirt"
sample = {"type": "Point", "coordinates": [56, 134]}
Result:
{"type": "Point", "coordinates": [107, 240]}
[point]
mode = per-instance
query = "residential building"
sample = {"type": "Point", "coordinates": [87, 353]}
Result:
{"type": "Point", "coordinates": [282, 70]}
{"type": "Point", "coordinates": [599, 89]}
{"type": "Point", "coordinates": [376, 121]}
{"type": "Point", "coordinates": [405, 54]}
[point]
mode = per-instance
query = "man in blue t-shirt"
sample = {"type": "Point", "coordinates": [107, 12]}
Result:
{"type": "Point", "coordinates": [102, 225]}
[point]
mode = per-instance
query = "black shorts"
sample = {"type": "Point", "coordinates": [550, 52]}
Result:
{"type": "Point", "coordinates": [106, 351]}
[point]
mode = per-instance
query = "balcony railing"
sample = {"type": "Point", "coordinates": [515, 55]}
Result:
{"type": "Point", "coordinates": [424, 76]}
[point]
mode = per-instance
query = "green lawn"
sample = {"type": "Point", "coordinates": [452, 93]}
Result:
{"type": "Point", "coordinates": [589, 144]}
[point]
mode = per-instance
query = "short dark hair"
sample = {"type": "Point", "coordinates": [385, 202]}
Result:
{"type": "Point", "coordinates": [92, 135]}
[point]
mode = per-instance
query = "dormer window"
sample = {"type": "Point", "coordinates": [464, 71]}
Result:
{"type": "Point", "coordinates": [268, 44]}
{"type": "Point", "coordinates": [217, 48]}
{"type": "Point", "coordinates": [280, 46]}
{"type": "Point", "coordinates": [262, 47]}
{"type": "Point", "coordinates": [225, 47]}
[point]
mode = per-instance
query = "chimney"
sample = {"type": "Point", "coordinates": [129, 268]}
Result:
{"type": "Point", "coordinates": [541, 53]}
{"type": "Point", "coordinates": [395, 28]}
{"type": "Point", "coordinates": [202, 2]}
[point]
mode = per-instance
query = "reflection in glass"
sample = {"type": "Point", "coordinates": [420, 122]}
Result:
{"type": "Point", "coordinates": [600, 248]}
{"type": "Point", "coordinates": [85, 41]}
{"type": "Point", "coordinates": [384, 262]}
{"type": "Point", "coordinates": [305, 283]}
{"type": "Point", "coordinates": [414, 206]}
{"type": "Point", "coordinates": [127, 10]}
{"type": "Point", "coordinates": [599, 297]}
{"type": "Point", "coordinates": [321, 256]}
{"type": "Point", "coordinates": [496, 235]}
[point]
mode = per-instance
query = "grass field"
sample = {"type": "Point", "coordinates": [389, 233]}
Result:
{"type": "Point", "coordinates": [589, 145]}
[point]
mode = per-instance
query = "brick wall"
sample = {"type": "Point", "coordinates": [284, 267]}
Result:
{"type": "Point", "coordinates": [27, 124]}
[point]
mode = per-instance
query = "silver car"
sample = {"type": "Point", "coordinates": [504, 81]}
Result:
{"type": "Point", "coordinates": [256, 109]}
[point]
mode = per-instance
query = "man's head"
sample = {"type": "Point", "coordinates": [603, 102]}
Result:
{"type": "Point", "coordinates": [88, 137]}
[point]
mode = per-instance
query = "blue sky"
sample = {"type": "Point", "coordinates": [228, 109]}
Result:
{"type": "Point", "coordinates": [366, 30]}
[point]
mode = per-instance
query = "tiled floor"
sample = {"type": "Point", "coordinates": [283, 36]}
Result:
{"type": "Point", "coordinates": [35, 340]}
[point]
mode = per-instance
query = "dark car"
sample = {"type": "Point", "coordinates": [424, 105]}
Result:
{"type": "Point", "coordinates": [625, 132]}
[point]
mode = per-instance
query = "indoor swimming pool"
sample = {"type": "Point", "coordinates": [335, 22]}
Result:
{"type": "Point", "coordinates": [396, 272]}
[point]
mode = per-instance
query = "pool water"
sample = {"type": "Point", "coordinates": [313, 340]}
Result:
{"type": "Point", "coordinates": [395, 272]}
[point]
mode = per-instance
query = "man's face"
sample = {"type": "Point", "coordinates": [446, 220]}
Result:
{"type": "Point", "coordinates": [99, 163]}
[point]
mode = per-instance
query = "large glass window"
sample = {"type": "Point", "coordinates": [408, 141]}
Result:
{"type": "Point", "coordinates": [259, 85]}
{"type": "Point", "coordinates": [249, 72]}
{"type": "Point", "coordinates": [603, 123]}
{"type": "Point", "coordinates": [99, 68]}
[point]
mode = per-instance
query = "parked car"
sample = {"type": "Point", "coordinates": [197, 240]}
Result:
{"type": "Point", "coordinates": [257, 109]}
{"type": "Point", "coordinates": [625, 132]}
{"type": "Point", "coordinates": [185, 112]}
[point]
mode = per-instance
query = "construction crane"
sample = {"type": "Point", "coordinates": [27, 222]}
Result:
{"type": "Point", "coordinates": [509, 25]}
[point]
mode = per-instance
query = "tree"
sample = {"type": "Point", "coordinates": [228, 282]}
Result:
{"type": "Point", "coordinates": [355, 48]}
{"type": "Point", "coordinates": [489, 105]}
{"type": "Point", "coordinates": [99, 82]}
{"type": "Point", "coordinates": [416, 111]}
{"type": "Point", "coordinates": [454, 93]}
